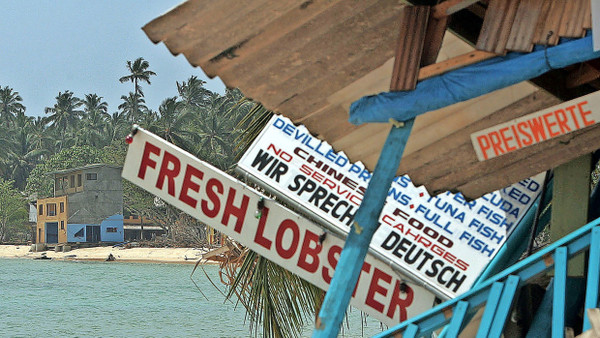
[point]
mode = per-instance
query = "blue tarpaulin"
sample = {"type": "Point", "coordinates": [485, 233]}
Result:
{"type": "Point", "coordinates": [470, 82]}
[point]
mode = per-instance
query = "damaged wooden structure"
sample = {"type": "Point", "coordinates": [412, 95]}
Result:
{"type": "Point", "coordinates": [310, 60]}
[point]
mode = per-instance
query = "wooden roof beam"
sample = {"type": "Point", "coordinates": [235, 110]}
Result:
{"type": "Point", "coordinates": [454, 63]}
{"type": "Point", "coordinates": [585, 73]}
{"type": "Point", "coordinates": [450, 7]}
{"type": "Point", "coordinates": [409, 48]}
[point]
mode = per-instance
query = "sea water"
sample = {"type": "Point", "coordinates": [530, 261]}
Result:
{"type": "Point", "coordinates": [112, 299]}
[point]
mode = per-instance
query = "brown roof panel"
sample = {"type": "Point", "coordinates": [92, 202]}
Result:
{"type": "Point", "coordinates": [309, 60]}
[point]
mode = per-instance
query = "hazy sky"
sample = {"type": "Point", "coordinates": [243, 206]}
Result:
{"type": "Point", "coordinates": [49, 46]}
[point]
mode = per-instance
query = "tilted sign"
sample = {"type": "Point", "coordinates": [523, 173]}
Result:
{"type": "Point", "coordinates": [537, 127]}
{"type": "Point", "coordinates": [280, 235]}
{"type": "Point", "coordinates": [443, 241]}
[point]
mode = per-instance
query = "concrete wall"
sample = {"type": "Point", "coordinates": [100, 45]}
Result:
{"type": "Point", "coordinates": [99, 199]}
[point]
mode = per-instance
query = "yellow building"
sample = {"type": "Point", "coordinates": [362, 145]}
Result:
{"type": "Point", "coordinates": [52, 220]}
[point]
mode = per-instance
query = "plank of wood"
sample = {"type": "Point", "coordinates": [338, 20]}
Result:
{"type": "Point", "coordinates": [241, 69]}
{"type": "Point", "coordinates": [310, 58]}
{"type": "Point", "coordinates": [587, 16]}
{"type": "Point", "coordinates": [409, 48]}
{"type": "Point", "coordinates": [277, 29]}
{"type": "Point", "coordinates": [454, 154]}
{"type": "Point", "coordinates": [434, 36]}
{"type": "Point", "coordinates": [497, 24]}
{"type": "Point", "coordinates": [584, 73]}
{"type": "Point", "coordinates": [450, 7]}
{"type": "Point", "coordinates": [547, 30]}
{"type": "Point", "coordinates": [571, 24]}
{"type": "Point", "coordinates": [454, 63]}
{"type": "Point", "coordinates": [165, 25]}
{"type": "Point", "coordinates": [523, 28]}
{"type": "Point", "coordinates": [541, 157]}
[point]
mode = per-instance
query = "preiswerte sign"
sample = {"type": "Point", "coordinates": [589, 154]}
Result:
{"type": "Point", "coordinates": [537, 127]}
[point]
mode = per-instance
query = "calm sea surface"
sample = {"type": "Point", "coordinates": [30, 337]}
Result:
{"type": "Point", "coordinates": [107, 299]}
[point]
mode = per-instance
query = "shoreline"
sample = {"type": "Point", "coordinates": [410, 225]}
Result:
{"type": "Point", "coordinates": [129, 255]}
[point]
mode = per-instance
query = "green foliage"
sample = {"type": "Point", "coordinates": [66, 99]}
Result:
{"type": "Point", "coordinates": [13, 212]}
{"type": "Point", "coordinates": [274, 297]}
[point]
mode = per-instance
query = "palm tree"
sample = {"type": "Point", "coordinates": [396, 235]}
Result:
{"type": "Point", "coordinates": [39, 134]}
{"type": "Point", "coordinates": [132, 107]}
{"type": "Point", "coordinates": [10, 104]}
{"type": "Point", "coordinates": [172, 122]}
{"type": "Point", "coordinates": [92, 126]}
{"type": "Point", "coordinates": [21, 156]}
{"type": "Point", "coordinates": [65, 114]}
{"type": "Point", "coordinates": [116, 126]}
{"type": "Point", "coordinates": [193, 94]}
{"type": "Point", "coordinates": [138, 71]}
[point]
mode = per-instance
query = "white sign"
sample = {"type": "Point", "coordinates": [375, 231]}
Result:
{"type": "Point", "coordinates": [444, 241]}
{"type": "Point", "coordinates": [278, 234]}
{"type": "Point", "coordinates": [537, 127]}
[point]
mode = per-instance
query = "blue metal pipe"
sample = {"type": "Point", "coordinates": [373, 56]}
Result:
{"type": "Point", "coordinates": [365, 224]}
{"type": "Point", "coordinates": [471, 81]}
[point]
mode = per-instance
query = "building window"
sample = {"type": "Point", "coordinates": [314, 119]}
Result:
{"type": "Point", "coordinates": [79, 180]}
{"type": "Point", "coordinates": [57, 183]}
{"type": "Point", "coordinates": [72, 181]}
{"type": "Point", "coordinates": [62, 207]}
{"type": "Point", "coordinates": [41, 208]}
{"type": "Point", "coordinates": [91, 176]}
{"type": "Point", "coordinates": [111, 229]}
{"type": "Point", "coordinates": [51, 209]}
{"type": "Point", "coordinates": [62, 225]}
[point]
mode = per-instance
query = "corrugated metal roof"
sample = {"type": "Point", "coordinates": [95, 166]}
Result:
{"type": "Point", "coordinates": [308, 60]}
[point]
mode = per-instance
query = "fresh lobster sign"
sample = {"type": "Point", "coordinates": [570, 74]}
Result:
{"type": "Point", "coordinates": [264, 226]}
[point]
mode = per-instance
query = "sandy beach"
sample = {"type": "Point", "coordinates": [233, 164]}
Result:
{"type": "Point", "coordinates": [149, 255]}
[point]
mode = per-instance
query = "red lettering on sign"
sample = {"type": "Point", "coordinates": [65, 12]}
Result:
{"type": "Point", "coordinates": [400, 302]}
{"type": "Point", "coordinates": [332, 260]}
{"type": "Point", "coordinates": [496, 143]}
{"type": "Point", "coordinates": [310, 248]}
{"type": "Point", "coordinates": [146, 161]}
{"type": "Point", "coordinates": [550, 124]}
{"type": "Point", "coordinates": [514, 130]}
{"type": "Point", "coordinates": [289, 252]}
{"type": "Point", "coordinates": [484, 144]}
{"type": "Point", "coordinates": [521, 126]}
{"type": "Point", "coordinates": [259, 238]}
{"type": "Point", "coordinates": [211, 185]}
{"type": "Point", "coordinates": [571, 110]}
{"type": "Point", "coordinates": [188, 184]}
{"type": "Point", "coordinates": [537, 129]}
{"type": "Point", "coordinates": [169, 172]}
{"type": "Point", "coordinates": [375, 288]}
{"type": "Point", "coordinates": [586, 122]}
{"type": "Point", "coordinates": [561, 118]}
{"type": "Point", "coordinates": [232, 210]}
{"type": "Point", "coordinates": [506, 139]}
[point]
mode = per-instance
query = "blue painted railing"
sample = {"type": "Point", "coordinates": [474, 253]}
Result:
{"type": "Point", "coordinates": [498, 293]}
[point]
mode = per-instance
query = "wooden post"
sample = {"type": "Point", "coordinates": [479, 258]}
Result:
{"type": "Point", "coordinates": [570, 203]}
{"type": "Point", "coordinates": [365, 224]}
